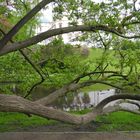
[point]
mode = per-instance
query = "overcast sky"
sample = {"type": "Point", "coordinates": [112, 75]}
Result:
{"type": "Point", "coordinates": [47, 14]}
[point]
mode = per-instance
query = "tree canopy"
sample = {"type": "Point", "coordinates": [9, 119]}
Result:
{"type": "Point", "coordinates": [112, 26]}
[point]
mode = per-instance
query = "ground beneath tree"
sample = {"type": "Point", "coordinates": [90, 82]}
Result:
{"type": "Point", "coordinates": [70, 136]}
{"type": "Point", "coordinates": [62, 127]}
{"type": "Point", "coordinates": [63, 131]}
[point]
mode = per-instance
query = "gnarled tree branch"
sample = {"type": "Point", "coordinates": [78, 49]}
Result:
{"type": "Point", "coordinates": [117, 97]}
{"type": "Point", "coordinates": [58, 31]}
{"type": "Point", "coordinates": [12, 103]}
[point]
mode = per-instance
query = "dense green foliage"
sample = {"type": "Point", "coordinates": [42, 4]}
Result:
{"type": "Point", "coordinates": [59, 63]}
{"type": "Point", "coordinates": [11, 12]}
{"type": "Point", "coordinates": [56, 61]}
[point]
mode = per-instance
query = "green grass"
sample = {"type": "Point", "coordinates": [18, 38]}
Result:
{"type": "Point", "coordinates": [95, 53]}
{"type": "Point", "coordinates": [119, 121]}
{"type": "Point", "coordinates": [14, 121]}
{"type": "Point", "coordinates": [96, 87]}
{"type": "Point", "coordinates": [81, 112]}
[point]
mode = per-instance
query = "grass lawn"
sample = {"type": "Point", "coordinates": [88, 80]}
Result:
{"type": "Point", "coordinates": [95, 87]}
{"type": "Point", "coordinates": [118, 121]}
{"type": "Point", "coordinates": [17, 121]}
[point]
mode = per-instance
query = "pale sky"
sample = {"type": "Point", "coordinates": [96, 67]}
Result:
{"type": "Point", "coordinates": [47, 17]}
{"type": "Point", "coordinates": [47, 14]}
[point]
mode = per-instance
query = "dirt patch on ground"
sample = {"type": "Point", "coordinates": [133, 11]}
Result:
{"type": "Point", "coordinates": [61, 127]}
{"type": "Point", "coordinates": [70, 136]}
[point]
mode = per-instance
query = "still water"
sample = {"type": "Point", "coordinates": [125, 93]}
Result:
{"type": "Point", "coordinates": [81, 100]}
{"type": "Point", "coordinates": [90, 99]}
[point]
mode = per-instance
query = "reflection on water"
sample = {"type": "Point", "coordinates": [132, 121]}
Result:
{"type": "Point", "coordinates": [84, 100]}
{"type": "Point", "coordinates": [80, 100]}
{"type": "Point", "coordinates": [90, 99]}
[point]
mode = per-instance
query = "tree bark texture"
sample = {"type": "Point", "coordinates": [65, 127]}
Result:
{"type": "Point", "coordinates": [12, 103]}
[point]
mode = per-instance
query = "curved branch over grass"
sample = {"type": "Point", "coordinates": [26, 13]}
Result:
{"type": "Point", "coordinates": [11, 103]}
{"type": "Point", "coordinates": [45, 35]}
{"type": "Point", "coordinates": [117, 97]}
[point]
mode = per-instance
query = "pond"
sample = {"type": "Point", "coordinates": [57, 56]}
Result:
{"type": "Point", "coordinates": [82, 100]}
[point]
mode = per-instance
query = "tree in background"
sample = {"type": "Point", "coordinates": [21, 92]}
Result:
{"type": "Point", "coordinates": [104, 24]}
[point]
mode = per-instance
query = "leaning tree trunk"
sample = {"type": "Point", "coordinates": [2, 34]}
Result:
{"type": "Point", "coordinates": [12, 103]}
